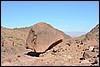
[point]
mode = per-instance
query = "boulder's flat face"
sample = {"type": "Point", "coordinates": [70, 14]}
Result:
{"type": "Point", "coordinates": [42, 36]}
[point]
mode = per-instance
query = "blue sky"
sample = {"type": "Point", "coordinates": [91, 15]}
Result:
{"type": "Point", "coordinates": [68, 16]}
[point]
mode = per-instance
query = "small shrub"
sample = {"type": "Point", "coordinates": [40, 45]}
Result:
{"type": "Point", "coordinates": [17, 39]}
{"type": "Point", "coordinates": [10, 36]}
{"type": "Point", "coordinates": [2, 49]}
{"type": "Point", "coordinates": [53, 53]}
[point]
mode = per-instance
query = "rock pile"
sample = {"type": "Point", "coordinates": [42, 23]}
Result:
{"type": "Point", "coordinates": [92, 55]}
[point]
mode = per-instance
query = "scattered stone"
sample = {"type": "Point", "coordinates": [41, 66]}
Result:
{"type": "Point", "coordinates": [69, 56]}
{"type": "Point", "coordinates": [85, 61]}
{"type": "Point", "coordinates": [77, 42]}
{"type": "Point", "coordinates": [67, 43]}
{"type": "Point", "coordinates": [82, 58]}
{"type": "Point", "coordinates": [91, 48]}
{"type": "Point", "coordinates": [89, 54]}
{"type": "Point", "coordinates": [77, 45]}
{"type": "Point", "coordinates": [81, 43]}
{"type": "Point", "coordinates": [18, 56]}
{"type": "Point", "coordinates": [96, 61]}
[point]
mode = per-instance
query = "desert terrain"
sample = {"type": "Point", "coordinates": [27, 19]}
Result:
{"type": "Point", "coordinates": [43, 45]}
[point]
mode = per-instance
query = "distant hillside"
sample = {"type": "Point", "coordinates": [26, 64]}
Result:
{"type": "Point", "coordinates": [92, 35]}
{"type": "Point", "coordinates": [75, 33]}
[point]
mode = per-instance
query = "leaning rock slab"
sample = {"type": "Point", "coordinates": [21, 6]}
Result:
{"type": "Point", "coordinates": [43, 36]}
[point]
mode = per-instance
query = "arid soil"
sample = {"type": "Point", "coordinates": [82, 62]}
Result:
{"type": "Point", "coordinates": [78, 51]}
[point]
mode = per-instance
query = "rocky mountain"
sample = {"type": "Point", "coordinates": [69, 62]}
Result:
{"type": "Point", "coordinates": [43, 45]}
{"type": "Point", "coordinates": [93, 34]}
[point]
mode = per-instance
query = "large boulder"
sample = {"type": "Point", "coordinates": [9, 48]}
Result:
{"type": "Point", "coordinates": [43, 36]}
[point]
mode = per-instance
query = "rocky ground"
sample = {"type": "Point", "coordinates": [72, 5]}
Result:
{"type": "Point", "coordinates": [79, 51]}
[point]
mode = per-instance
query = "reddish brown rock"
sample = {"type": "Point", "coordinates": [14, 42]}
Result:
{"type": "Point", "coordinates": [42, 36]}
{"type": "Point", "coordinates": [89, 54]}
